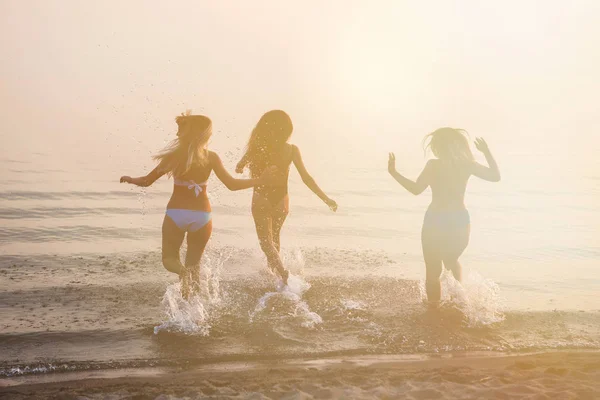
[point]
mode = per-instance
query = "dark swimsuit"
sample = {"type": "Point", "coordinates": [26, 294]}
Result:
{"type": "Point", "coordinates": [275, 194]}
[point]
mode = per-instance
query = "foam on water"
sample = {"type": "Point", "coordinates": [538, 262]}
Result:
{"type": "Point", "coordinates": [32, 369]}
{"type": "Point", "coordinates": [349, 304]}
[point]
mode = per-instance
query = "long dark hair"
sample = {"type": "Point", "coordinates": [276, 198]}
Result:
{"type": "Point", "coordinates": [272, 131]}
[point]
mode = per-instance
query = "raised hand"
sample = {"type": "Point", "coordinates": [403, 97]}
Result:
{"type": "Point", "coordinates": [481, 145]}
{"type": "Point", "coordinates": [392, 163]}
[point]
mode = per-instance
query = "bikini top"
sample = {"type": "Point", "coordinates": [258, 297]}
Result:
{"type": "Point", "coordinates": [198, 187]}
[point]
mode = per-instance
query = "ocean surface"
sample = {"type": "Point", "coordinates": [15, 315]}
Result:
{"type": "Point", "coordinates": [82, 286]}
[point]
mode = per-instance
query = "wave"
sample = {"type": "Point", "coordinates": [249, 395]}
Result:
{"type": "Point", "coordinates": [88, 195]}
{"type": "Point", "coordinates": [14, 213]}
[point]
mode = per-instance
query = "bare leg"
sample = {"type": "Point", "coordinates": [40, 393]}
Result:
{"type": "Point", "coordinates": [196, 243]}
{"type": "Point", "coordinates": [264, 231]}
{"type": "Point", "coordinates": [454, 266]}
{"type": "Point", "coordinates": [433, 265]}
{"type": "Point", "coordinates": [456, 243]}
{"type": "Point", "coordinates": [279, 217]}
{"type": "Point", "coordinates": [172, 238]}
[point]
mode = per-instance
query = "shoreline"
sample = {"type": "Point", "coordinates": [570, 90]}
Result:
{"type": "Point", "coordinates": [572, 373]}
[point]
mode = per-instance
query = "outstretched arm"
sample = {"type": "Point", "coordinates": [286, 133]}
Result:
{"type": "Point", "coordinates": [415, 187]}
{"type": "Point", "coordinates": [144, 181]}
{"type": "Point", "coordinates": [229, 181]}
{"type": "Point", "coordinates": [491, 172]}
{"type": "Point", "coordinates": [309, 180]}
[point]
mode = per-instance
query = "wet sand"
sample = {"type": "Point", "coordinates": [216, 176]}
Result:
{"type": "Point", "coordinates": [558, 375]}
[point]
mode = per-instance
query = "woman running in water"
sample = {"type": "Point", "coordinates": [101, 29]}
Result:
{"type": "Point", "coordinates": [268, 146]}
{"type": "Point", "coordinates": [190, 163]}
{"type": "Point", "coordinates": [446, 226]}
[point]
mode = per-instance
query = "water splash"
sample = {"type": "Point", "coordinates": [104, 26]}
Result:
{"type": "Point", "coordinates": [292, 292]}
{"type": "Point", "coordinates": [210, 277]}
{"type": "Point", "coordinates": [186, 316]}
{"type": "Point", "coordinates": [477, 298]}
{"type": "Point", "coordinates": [192, 316]}
{"type": "Point", "coordinates": [294, 261]}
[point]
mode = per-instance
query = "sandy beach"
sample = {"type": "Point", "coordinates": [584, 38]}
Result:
{"type": "Point", "coordinates": [558, 375]}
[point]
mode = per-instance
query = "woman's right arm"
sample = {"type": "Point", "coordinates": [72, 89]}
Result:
{"type": "Point", "coordinates": [144, 181]}
{"type": "Point", "coordinates": [229, 181]}
{"type": "Point", "coordinates": [491, 172]}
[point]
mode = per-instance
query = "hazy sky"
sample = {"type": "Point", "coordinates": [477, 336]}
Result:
{"type": "Point", "coordinates": [79, 77]}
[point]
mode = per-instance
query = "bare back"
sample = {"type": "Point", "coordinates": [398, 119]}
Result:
{"type": "Point", "coordinates": [185, 195]}
{"type": "Point", "coordinates": [448, 183]}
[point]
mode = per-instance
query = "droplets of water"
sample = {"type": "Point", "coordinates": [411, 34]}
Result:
{"type": "Point", "coordinates": [141, 198]}
{"type": "Point", "coordinates": [477, 298]}
{"type": "Point", "coordinates": [192, 316]}
{"type": "Point", "coordinates": [183, 315]}
{"type": "Point", "coordinates": [210, 277]}
{"type": "Point", "coordinates": [291, 293]}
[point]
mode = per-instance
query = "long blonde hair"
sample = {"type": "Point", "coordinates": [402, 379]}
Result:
{"type": "Point", "coordinates": [449, 144]}
{"type": "Point", "coordinates": [189, 148]}
{"type": "Point", "coordinates": [272, 131]}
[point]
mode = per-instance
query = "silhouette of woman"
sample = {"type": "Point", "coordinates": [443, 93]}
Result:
{"type": "Point", "coordinates": [446, 226]}
{"type": "Point", "coordinates": [268, 146]}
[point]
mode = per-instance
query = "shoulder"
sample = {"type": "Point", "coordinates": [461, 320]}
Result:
{"type": "Point", "coordinates": [294, 149]}
{"type": "Point", "coordinates": [291, 152]}
{"type": "Point", "coordinates": [470, 166]}
{"type": "Point", "coordinates": [213, 159]}
{"type": "Point", "coordinates": [432, 164]}
{"type": "Point", "coordinates": [212, 156]}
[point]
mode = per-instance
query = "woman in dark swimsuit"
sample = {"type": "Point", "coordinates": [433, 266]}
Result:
{"type": "Point", "coordinates": [190, 163]}
{"type": "Point", "coordinates": [268, 147]}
